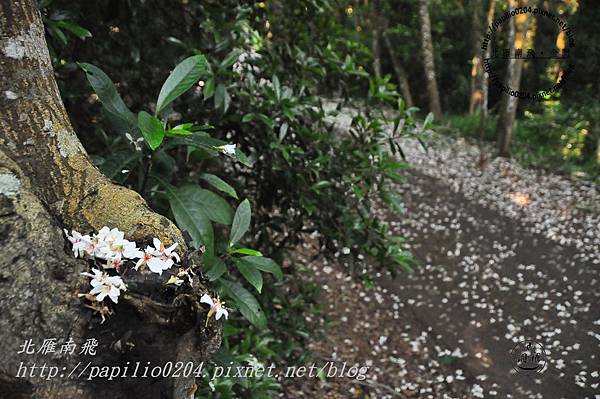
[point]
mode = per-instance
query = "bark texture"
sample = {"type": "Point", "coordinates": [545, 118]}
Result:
{"type": "Point", "coordinates": [428, 60]}
{"type": "Point", "coordinates": [476, 64]}
{"type": "Point", "coordinates": [485, 79]}
{"type": "Point", "coordinates": [47, 182]}
{"type": "Point", "coordinates": [508, 111]}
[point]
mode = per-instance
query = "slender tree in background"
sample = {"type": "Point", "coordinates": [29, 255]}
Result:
{"type": "Point", "coordinates": [374, 22]}
{"type": "Point", "coordinates": [428, 60]}
{"type": "Point", "coordinates": [47, 182]}
{"type": "Point", "coordinates": [398, 69]}
{"type": "Point", "coordinates": [485, 76]}
{"type": "Point", "coordinates": [517, 35]}
{"type": "Point", "coordinates": [476, 64]}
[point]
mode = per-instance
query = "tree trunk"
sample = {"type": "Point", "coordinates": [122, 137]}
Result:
{"type": "Point", "coordinates": [47, 181]}
{"type": "Point", "coordinates": [485, 79]}
{"type": "Point", "coordinates": [399, 70]}
{"type": "Point", "coordinates": [375, 36]}
{"type": "Point", "coordinates": [428, 60]}
{"type": "Point", "coordinates": [476, 64]}
{"type": "Point", "coordinates": [517, 34]}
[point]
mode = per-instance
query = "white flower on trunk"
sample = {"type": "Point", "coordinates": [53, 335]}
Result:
{"type": "Point", "coordinates": [227, 149]}
{"type": "Point", "coordinates": [157, 265]}
{"type": "Point", "coordinates": [151, 258]}
{"type": "Point", "coordinates": [102, 291]}
{"type": "Point", "coordinates": [79, 242]}
{"type": "Point", "coordinates": [216, 307]}
{"type": "Point", "coordinates": [165, 253]}
{"type": "Point", "coordinates": [104, 285]}
{"type": "Point", "coordinates": [113, 245]}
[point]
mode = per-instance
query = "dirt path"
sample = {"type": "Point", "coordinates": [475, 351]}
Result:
{"type": "Point", "coordinates": [505, 255]}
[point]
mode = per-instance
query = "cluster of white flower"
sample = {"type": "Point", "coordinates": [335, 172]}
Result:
{"type": "Point", "coordinates": [111, 246]}
{"type": "Point", "coordinates": [243, 64]}
{"type": "Point", "coordinates": [104, 285]}
{"type": "Point", "coordinates": [264, 83]}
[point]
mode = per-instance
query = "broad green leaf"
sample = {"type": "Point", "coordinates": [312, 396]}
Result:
{"type": "Point", "coordinates": [75, 29]}
{"type": "Point", "coordinates": [241, 222]}
{"type": "Point", "coordinates": [230, 59]}
{"type": "Point", "coordinates": [250, 273]}
{"type": "Point", "coordinates": [200, 140]}
{"type": "Point", "coordinates": [247, 251]}
{"type": "Point", "coordinates": [108, 95]}
{"type": "Point", "coordinates": [222, 98]}
{"type": "Point", "coordinates": [180, 130]}
{"type": "Point", "coordinates": [185, 75]}
{"type": "Point", "coordinates": [243, 158]}
{"type": "Point", "coordinates": [246, 303]}
{"type": "Point", "coordinates": [213, 205]}
{"type": "Point", "coordinates": [151, 128]}
{"type": "Point", "coordinates": [248, 117]}
{"type": "Point", "coordinates": [216, 267]}
{"type": "Point", "coordinates": [219, 184]}
{"type": "Point", "coordinates": [267, 265]}
{"type": "Point", "coordinates": [209, 88]}
{"type": "Point", "coordinates": [428, 121]}
{"type": "Point", "coordinates": [190, 216]}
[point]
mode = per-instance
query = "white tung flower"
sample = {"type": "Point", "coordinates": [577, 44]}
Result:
{"type": "Point", "coordinates": [104, 285]}
{"type": "Point", "coordinates": [216, 307]}
{"type": "Point", "coordinates": [102, 291]}
{"type": "Point", "coordinates": [79, 242]}
{"type": "Point", "coordinates": [114, 245]}
{"type": "Point", "coordinates": [227, 149]}
{"type": "Point", "coordinates": [165, 253]}
{"type": "Point", "coordinates": [152, 258]}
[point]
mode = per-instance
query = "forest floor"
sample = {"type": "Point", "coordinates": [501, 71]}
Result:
{"type": "Point", "coordinates": [504, 254]}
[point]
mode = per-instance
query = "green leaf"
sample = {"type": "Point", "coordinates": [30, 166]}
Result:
{"type": "Point", "coordinates": [250, 273]}
{"type": "Point", "coordinates": [108, 95]}
{"type": "Point", "coordinates": [75, 29]}
{"type": "Point", "coordinates": [248, 117]}
{"type": "Point", "coordinates": [219, 184]}
{"type": "Point", "coordinates": [216, 267]}
{"type": "Point", "coordinates": [243, 158]}
{"type": "Point", "coordinates": [428, 121]}
{"type": "Point", "coordinates": [190, 216]}
{"type": "Point", "coordinates": [185, 75]}
{"type": "Point", "coordinates": [247, 251]}
{"type": "Point", "coordinates": [222, 98]}
{"type": "Point", "coordinates": [213, 205]}
{"type": "Point", "coordinates": [241, 222]}
{"type": "Point", "coordinates": [283, 131]}
{"type": "Point", "coordinates": [151, 128]}
{"type": "Point", "coordinates": [267, 265]}
{"type": "Point", "coordinates": [246, 303]}
{"type": "Point", "coordinates": [209, 88]}
{"type": "Point", "coordinates": [230, 59]}
{"type": "Point", "coordinates": [276, 87]}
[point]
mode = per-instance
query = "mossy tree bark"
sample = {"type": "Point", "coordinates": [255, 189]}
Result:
{"type": "Point", "coordinates": [47, 182]}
